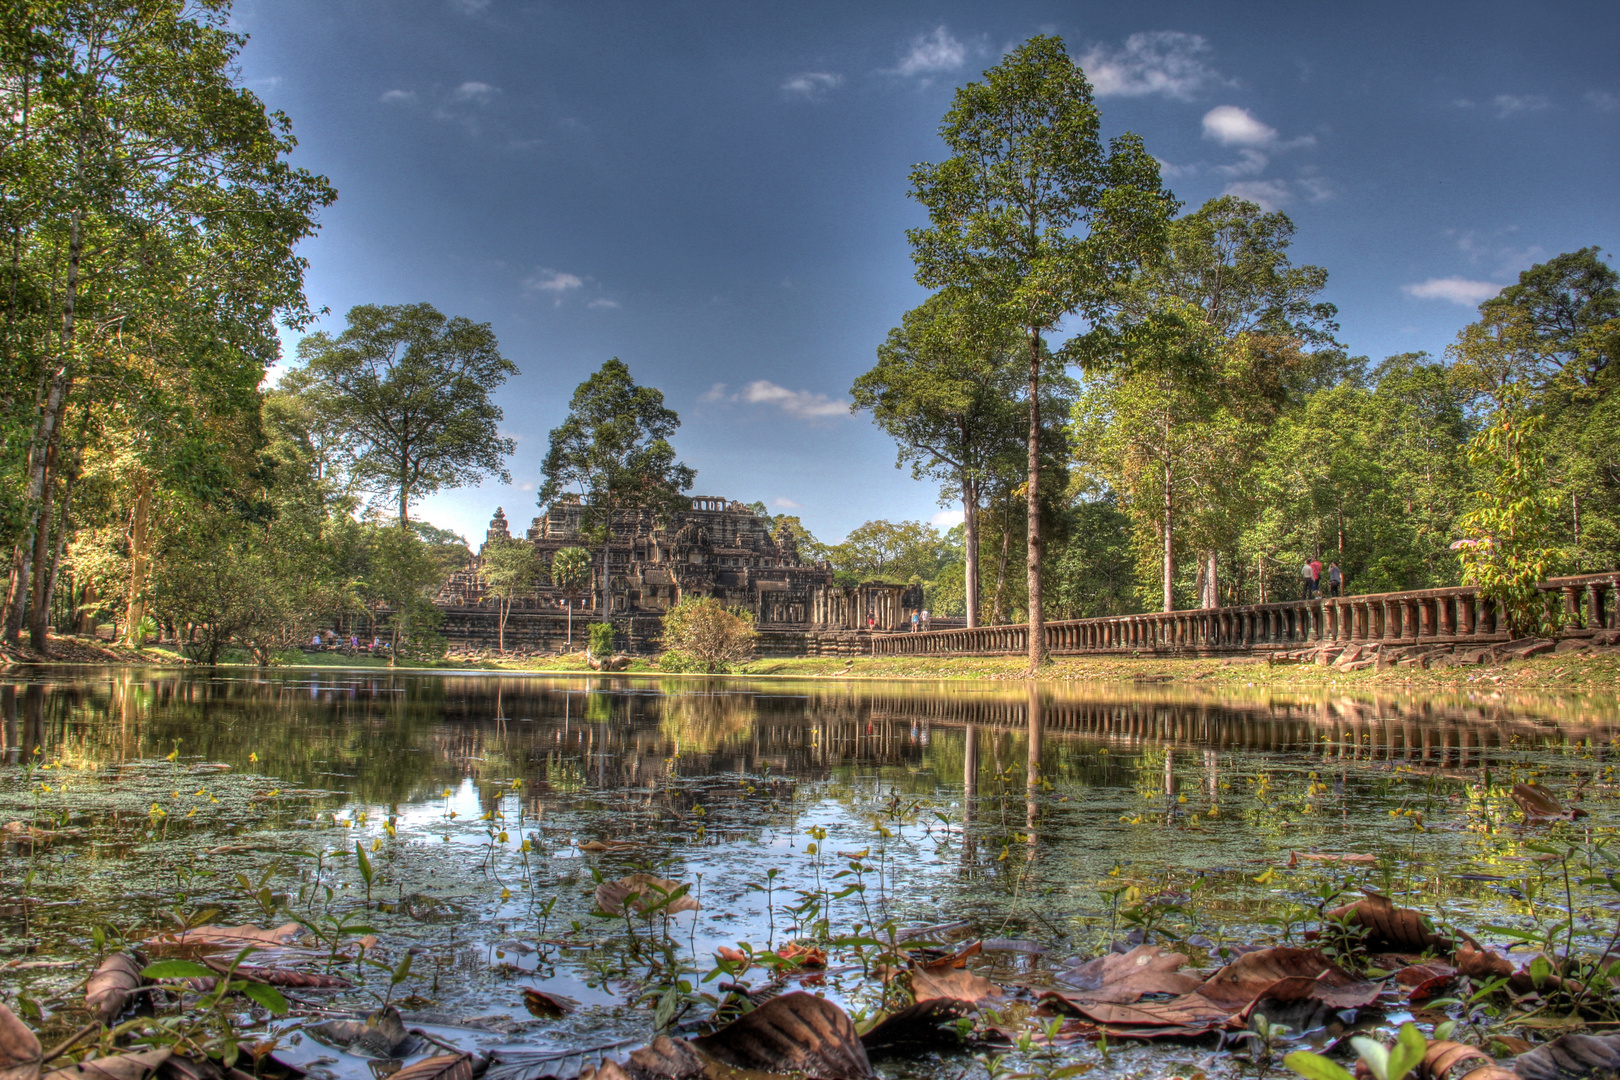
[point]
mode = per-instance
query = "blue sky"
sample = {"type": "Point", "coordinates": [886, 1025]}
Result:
{"type": "Point", "coordinates": [716, 193]}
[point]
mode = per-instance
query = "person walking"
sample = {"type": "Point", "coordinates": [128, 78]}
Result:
{"type": "Point", "coordinates": [925, 618]}
{"type": "Point", "coordinates": [916, 620]}
{"type": "Point", "coordinates": [1316, 578]}
{"type": "Point", "coordinates": [1335, 579]}
{"type": "Point", "coordinates": [1306, 581]}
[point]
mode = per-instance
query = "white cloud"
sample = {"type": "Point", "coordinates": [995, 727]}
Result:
{"type": "Point", "coordinates": [1513, 104]}
{"type": "Point", "coordinates": [603, 302]}
{"type": "Point", "coordinates": [1455, 289]}
{"type": "Point", "coordinates": [812, 84]}
{"type": "Point", "coordinates": [787, 504]}
{"type": "Point", "coordinates": [526, 485]}
{"type": "Point", "coordinates": [553, 281]}
{"type": "Point", "coordinates": [800, 403]}
{"type": "Point", "coordinates": [1232, 126]}
{"type": "Point", "coordinates": [1164, 62]}
{"type": "Point", "coordinates": [1266, 194]}
{"type": "Point", "coordinates": [475, 91]}
{"type": "Point", "coordinates": [398, 97]}
{"type": "Point", "coordinates": [931, 53]}
{"type": "Point", "coordinates": [717, 392]}
{"type": "Point", "coordinates": [471, 7]}
{"type": "Point", "coordinates": [948, 519]}
{"type": "Point", "coordinates": [1251, 162]}
{"type": "Point", "coordinates": [1175, 172]}
{"type": "Point", "coordinates": [1603, 101]}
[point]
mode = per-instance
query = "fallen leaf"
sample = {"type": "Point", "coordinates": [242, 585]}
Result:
{"type": "Point", "coordinates": [665, 1059]}
{"type": "Point", "coordinates": [1571, 1057]}
{"type": "Point", "coordinates": [607, 1070]}
{"type": "Point", "coordinates": [954, 960]}
{"type": "Point", "coordinates": [107, 992]}
{"type": "Point", "coordinates": [543, 1004]}
{"type": "Point", "coordinates": [652, 894]}
{"type": "Point", "coordinates": [733, 956]}
{"type": "Point", "coordinates": [20, 1051]}
{"type": "Point", "coordinates": [606, 845]}
{"type": "Point", "coordinates": [227, 937]}
{"type": "Point", "coordinates": [1251, 975]}
{"type": "Point", "coordinates": [795, 1033]}
{"type": "Point", "coordinates": [957, 984]}
{"type": "Point", "coordinates": [116, 1067]}
{"type": "Point", "coordinates": [443, 1067]}
{"type": "Point", "coordinates": [1441, 1057]}
{"type": "Point", "coordinates": [1540, 804]}
{"type": "Point", "coordinates": [1182, 1017]}
{"type": "Point", "coordinates": [1121, 978]}
{"type": "Point", "coordinates": [916, 1026]}
{"type": "Point", "coordinates": [1484, 964]}
{"type": "Point", "coordinates": [1418, 974]}
{"type": "Point", "coordinates": [1397, 928]}
{"type": "Point", "coordinates": [381, 1035]}
{"type": "Point", "coordinates": [809, 956]}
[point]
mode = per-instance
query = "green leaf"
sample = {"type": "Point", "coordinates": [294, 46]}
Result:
{"type": "Point", "coordinates": [177, 969]}
{"type": "Point", "coordinates": [1375, 1055]}
{"type": "Point", "coordinates": [1407, 1052]}
{"type": "Point", "coordinates": [1315, 1066]}
{"type": "Point", "coordinates": [268, 996]}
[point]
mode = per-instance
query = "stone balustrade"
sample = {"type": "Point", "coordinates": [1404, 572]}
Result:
{"type": "Point", "coordinates": [1461, 614]}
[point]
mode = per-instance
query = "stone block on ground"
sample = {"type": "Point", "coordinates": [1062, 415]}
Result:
{"type": "Point", "coordinates": [1569, 645]}
{"type": "Point", "coordinates": [1520, 648]}
{"type": "Point", "coordinates": [1325, 657]}
{"type": "Point", "coordinates": [1357, 665]}
{"type": "Point", "coordinates": [1351, 654]}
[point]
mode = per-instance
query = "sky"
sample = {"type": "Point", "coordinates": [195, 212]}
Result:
{"type": "Point", "coordinates": [717, 193]}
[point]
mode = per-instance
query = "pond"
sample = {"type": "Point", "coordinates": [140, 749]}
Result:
{"type": "Point", "coordinates": [466, 821]}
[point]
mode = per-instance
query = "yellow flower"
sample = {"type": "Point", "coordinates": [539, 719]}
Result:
{"type": "Point", "coordinates": [376, 845]}
{"type": "Point", "coordinates": [502, 837]}
{"type": "Point", "coordinates": [506, 894]}
{"type": "Point", "coordinates": [253, 758]}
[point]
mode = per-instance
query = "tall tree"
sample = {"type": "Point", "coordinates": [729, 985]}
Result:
{"type": "Point", "coordinates": [145, 190]}
{"type": "Point", "coordinates": [1032, 218]}
{"type": "Point", "coordinates": [613, 448]}
{"type": "Point", "coordinates": [508, 568]}
{"type": "Point", "coordinates": [944, 388]}
{"type": "Point", "coordinates": [411, 390]}
{"type": "Point", "coordinates": [571, 572]}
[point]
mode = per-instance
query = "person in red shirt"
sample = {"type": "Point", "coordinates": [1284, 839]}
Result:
{"type": "Point", "coordinates": [1316, 577]}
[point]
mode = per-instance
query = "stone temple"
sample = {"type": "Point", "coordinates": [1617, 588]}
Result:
{"type": "Point", "coordinates": [716, 548]}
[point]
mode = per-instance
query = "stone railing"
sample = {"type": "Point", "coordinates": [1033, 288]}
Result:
{"type": "Point", "coordinates": [1439, 616]}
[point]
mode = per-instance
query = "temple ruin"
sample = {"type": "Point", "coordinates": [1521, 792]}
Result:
{"type": "Point", "coordinates": [718, 548]}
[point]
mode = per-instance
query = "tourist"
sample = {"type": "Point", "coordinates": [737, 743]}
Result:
{"type": "Point", "coordinates": [1335, 579]}
{"type": "Point", "coordinates": [870, 621]}
{"type": "Point", "coordinates": [916, 620]}
{"type": "Point", "coordinates": [1306, 581]}
{"type": "Point", "coordinates": [1316, 577]}
{"type": "Point", "coordinates": [925, 618]}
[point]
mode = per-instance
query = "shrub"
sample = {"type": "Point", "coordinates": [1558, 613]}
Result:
{"type": "Point", "coordinates": [708, 634]}
{"type": "Point", "coordinates": [601, 639]}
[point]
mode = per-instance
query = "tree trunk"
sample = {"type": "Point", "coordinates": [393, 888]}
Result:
{"type": "Point", "coordinates": [34, 490]}
{"type": "Point", "coordinates": [500, 633]}
{"type": "Point", "coordinates": [1212, 582]}
{"type": "Point", "coordinates": [607, 555]}
{"type": "Point", "coordinates": [970, 538]}
{"type": "Point", "coordinates": [39, 611]}
{"type": "Point", "coordinates": [998, 612]}
{"type": "Point", "coordinates": [1169, 541]}
{"type": "Point", "coordinates": [139, 556]}
{"type": "Point", "coordinates": [1037, 627]}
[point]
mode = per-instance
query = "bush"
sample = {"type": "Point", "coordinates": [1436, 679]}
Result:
{"type": "Point", "coordinates": [708, 635]}
{"type": "Point", "coordinates": [601, 639]}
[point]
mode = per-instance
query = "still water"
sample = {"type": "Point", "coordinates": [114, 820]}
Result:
{"type": "Point", "coordinates": [1050, 821]}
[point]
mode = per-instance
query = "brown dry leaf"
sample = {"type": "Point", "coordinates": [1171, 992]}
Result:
{"type": "Point", "coordinates": [296, 980]}
{"type": "Point", "coordinates": [958, 984]}
{"type": "Point", "coordinates": [1322, 856]}
{"type": "Point", "coordinates": [794, 1033]}
{"type": "Point", "coordinates": [227, 937]}
{"type": "Point", "coordinates": [810, 956]}
{"type": "Point", "coordinates": [607, 1070]}
{"type": "Point", "coordinates": [21, 830]}
{"type": "Point", "coordinates": [443, 1067]}
{"type": "Point", "coordinates": [665, 1059]}
{"type": "Point", "coordinates": [954, 960]}
{"type": "Point", "coordinates": [1511, 1044]}
{"type": "Point", "coordinates": [108, 990]}
{"type": "Point", "coordinates": [1490, 1072]}
{"type": "Point", "coordinates": [650, 895]}
{"type": "Point", "coordinates": [1571, 1057]}
{"type": "Point", "coordinates": [1123, 978]}
{"type": "Point", "coordinates": [1540, 804]}
{"type": "Point", "coordinates": [1418, 974]}
{"type": "Point", "coordinates": [1182, 1017]}
{"type": "Point", "coordinates": [1483, 964]}
{"type": "Point", "coordinates": [543, 1004]}
{"type": "Point", "coordinates": [116, 1067]}
{"type": "Point", "coordinates": [1397, 928]}
{"type": "Point", "coordinates": [606, 845]}
{"type": "Point", "coordinates": [1246, 979]}
{"type": "Point", "coordinates": [19, 1048]}
{"type": "Point", "coordinates": [381, 1035]}
{"type": "Point", "coordinates": [1441, 1057]}
{"type": "Point", "coordinates": [733, 956]}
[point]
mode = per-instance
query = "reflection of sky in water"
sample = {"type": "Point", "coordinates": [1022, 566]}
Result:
{"type": "Point", "coordinates": [1159, 791]}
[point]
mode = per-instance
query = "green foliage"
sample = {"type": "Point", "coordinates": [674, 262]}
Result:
{"type": "Point", "coordinates": [702, 634]}
{"type": "Point", "coordinates": [1507, 545]}
{"type": "Point", "coordinates": [614, 448]}
{"type": "Point", "coordinates": [408, 394]}
{"type": "Point", "coordinates": [508, 568]}
{"type": "Point", "coordinates": [890, 551]}
{"type": "Point", "coordinates": [571, 570]}
{"type": "Point", "coordinates": [601, 639]}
